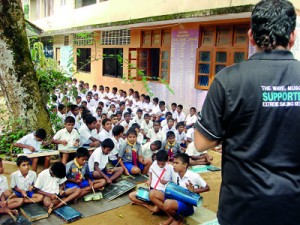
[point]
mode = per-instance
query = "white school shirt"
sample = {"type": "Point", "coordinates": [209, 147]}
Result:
{"type": "Point", "coordinates": [30, 140]}
{"type": "Point", "coordinates": [190, 133]}
{"type": "Point", "coordinates": [167, 175]}
{"type": "Point", "coordinates": [71, 138]}
{"type": "Point", "coordinates": [3, 184]}
{"type": "Point", "coordinates": [166, 129]}
{"type": "Point", "coordinates": [192, 151]}
{"type": "Point", "coordinates": [146, 127]}
{"type": "Point", "coordinates": [86, 133]}
{"type": "Point", "coordinates": [47, 183]}
{"type": "Point", "coordinates": [61, 116]}
{"type": "Point", "coordinates": [125, 125]}
{"type": "Point", "coordinates": [104, 135]}
{"type": "Point", "coordinates": [174, 114]}
{"type": "Point", "coordinates": [156, 136]}
{"type": "Point", "coordinates": [113, 154]}
{"type": "Point", "coordinates": [191, 119]}
{"type": "Point", "coordinates": [21, 182]}
{"type": "Point", "coordinates": [136, 120]}
{"type": "Point", "coordinates": [77, 124]}
{"type": "Point", "coordinates": [180, 117]}
{"type": "Point", "coordinates": [146, 150]}
{"type": "Point", "coordinates": [180, 137]}
{"type": "Point", "coordinates": [189, 175]}
{"type": "Point", "coordinates": [99, 157]}
{"type": "Point", "coordinates": [155, 110]}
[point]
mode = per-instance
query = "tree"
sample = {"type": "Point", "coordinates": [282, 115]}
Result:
{"type": "Point", "coordinates": [18, 78]}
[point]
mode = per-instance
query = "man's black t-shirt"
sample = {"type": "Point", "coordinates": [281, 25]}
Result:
{"type": "Point", "coordinates": [254, 108]}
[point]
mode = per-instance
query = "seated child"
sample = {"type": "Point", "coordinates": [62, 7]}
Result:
{"type": "Point", "coordinates": [165, 121]}
{"type": "Point", "coordinates": [125, 123]}
{"type": "Point", "coordinates": [22, 181]}
{"type": "Point", "coordinates": [191, 118]}
{"type": "Point", "coordinates": [149, 149]}
{"type": "Point", "coordinates": [155, 133]}
{"type": "Point", "coordinates": [7, 203]}
{"type": "Point", "coordinates": [114, 120]}
{"type": "Point", "coordinates": [88, 132]}
{"type": "Point", "coordinates": [74, 112]}
{"type": "Point", "coordinates": [140, 136]}
{"type": "Point", "coordinates": [160, 173]}
{"type": "Point", "coordinates": [66, 138]}
{"type": "Point", "coordinates": [169, 126]}
{"type": "Point", "coordinates": [51, 184]}
{"type": "Point", "coordinates": [33, 142]}
{"type": "Point", "coordinates": [146, 125]}
{"type": "Point", "coordinates": [78, 174]}
{"type": "Point", "coordinates": [175, 209]}
{"type": "Point", "coordinates": [198, 158]}
{"type": "Point", "coordinates": [98, 161]}
{"type": "Point", "coordinates": [171, 146]}
{"type": "Point", "coordinates": [117, 132]}
{"type": "Point", "coordinates": [138, 118]}
{"type": "Point", "coordinates": [106, 130]}
{"type": "Point", "coordinates": [130, 156]}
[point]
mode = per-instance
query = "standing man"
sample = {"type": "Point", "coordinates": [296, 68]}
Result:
{"type": "Point", "coordinates": [253, 108]}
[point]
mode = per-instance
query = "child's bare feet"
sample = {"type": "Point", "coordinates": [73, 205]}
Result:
{"type": "Point", "coordinates": [167, 222]}
{"type": "Point", "coordinates": [50, 208]}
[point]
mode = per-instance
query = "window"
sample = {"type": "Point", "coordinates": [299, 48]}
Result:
{"type": "Point", "coordinates": [111, 65]}
{"type": "Point", "coordinates": [153, 59]}
{"type": "Point", "coordinates": [48, 46]}
{"type": "Point", "coordinates": [116, 37]}
{"type": "Point", "coordinates": [220, 46]}
{"type": "Point", "coordinates": [66, 40]}
{"type": "Point", "coordinates": [82, 3]}
{"type": "Point", "coordinates": [48, 8]}
{"type": "Point", "coordinates": [82, 39]}
{"type": "Point", "coordinates": [84, 60]}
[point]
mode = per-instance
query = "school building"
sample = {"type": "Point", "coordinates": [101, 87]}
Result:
{"type": "Point", "coordinates": [183, 43]}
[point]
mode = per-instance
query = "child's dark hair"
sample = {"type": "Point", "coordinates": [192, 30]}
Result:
{"type": "Point", "coordinates": [82, 152]}
{"type": "Point", "coordinates": [126, 114]}
{"type": "Point", "coordinates": [118, 113]}
{"type": "Point", "coordinates": [105, 121]}
{"type": "Point", "coordinates": [170, 134]}
{"type": "Point", "coordinates": [183, 157]}
{"type": "Point", "coordinates": [135, 126]}
{"type": "Point", "coordinates": [131, 131]}
{"type": "Point", "coordinates": [161, 103]}
{"type": "Point", "coordinates": [113, 115]}
{"type": "Point", "coordinates": [162, 156]}
{"type": "Point", "coordinates": [179, 124]}
{"type": "Point", "coordinates": [90, 119]}
{"type": "Point", "coordinates": [108, 143]}
{"type": "Point", "coordinates": [146, 115]}
{"type": "Point", "coordinates": [180, 107]}
{"type": "Point", "coordinates": [157, 143]}
{"type": "Point", "coordinates": [170, 119]}
{"type": "Point", "coordinates": [117, 130]}
{"type": "Point", "coordinates": [174, 104]}
{"type": "Point", "coordinates": [41, 133]}
{"type": "Point", "coordinates": [139, 111]}
{"type": "Point", "coordinates": [73, 107]}
{"type": "Point", "coordinates": [156, 122]}
{"type": "Point", "coordinates": [121, 103]}
{"type": "Point", "coordinates": [70, 119]}
{"type": "Point", "coordinates": [193, 109]}
{"type": "Point", "coordinates": [168, 114]}
{"type": "Point", "coordinates": [61, 107]}
{"type": "Point", "coordinates": [22, 158]}
{"type": "Point", "coordinates": [99, 108]}
{"type": "Point", "coordinates": [78, 97]}
{"type": "Point", "coordinates": [155, 99]}
{"type": "Point", "coordinates": [59, 170]}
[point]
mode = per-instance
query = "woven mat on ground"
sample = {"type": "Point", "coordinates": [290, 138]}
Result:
{"type": "Point", "coordinates": [202, 168]}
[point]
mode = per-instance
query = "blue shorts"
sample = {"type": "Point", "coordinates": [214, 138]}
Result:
{"type": "Point", "coordinates": [107, 174]}
{"type": "Point", "coordinates": [82, 184]}
{"type": "Point", "coordinates": [129, 166]}
{"type": "Point", "coordinates": [114, 162]}
{"type": "Point", "coordinates": [29, 194]}
{"type": "Point", "coordinates": [184, 209]}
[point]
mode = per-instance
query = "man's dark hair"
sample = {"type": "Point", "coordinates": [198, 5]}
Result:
{"type": "Point", "coordinates": [22, 158]}
{"type": "Point", "coordinates": [108, 143]}
{"type": "Point", "coordinates": [118, 129]}
{"type": "Point", "coordinates": [82, 152]}
{"type": "Point", "coordinates": [272, 23]}
{"type": "Point", "coordinates": [59, 170]}
{"type": "Point", "coordinates": [162, 156]}
{"type": "Point", "coordinates": [183, 157]}
{"type": "Point", "coordinates": [70, 119]}
{"type": "Point", "coordinates": [41, 133]}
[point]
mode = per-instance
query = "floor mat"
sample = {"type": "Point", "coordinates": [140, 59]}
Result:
{"type": "Point", "coordinates": [203, 168]}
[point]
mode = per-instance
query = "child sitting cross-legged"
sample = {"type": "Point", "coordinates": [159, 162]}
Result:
{"type": "Point", "coordinates": [98, 162]}
{"type": "Point", "coordinates": [66, 138]}
{"type": "Point", "coordinates": [198, 158]}
{"type": "Point", "coordinates": [51, 184]}
{"type": "Point", "coordinates": [7, 203]}
{"type": "Point", "coordinates": [22, 181]}
{"type": "Point", "coordinates": [130, 155]}
{"type": "Point", "coordinates": [171, 146]}
{"type": "Point", "coordinates": [160, 174]}
{"type": "Point", "coordinates": [33, 142]}
{"type": "Point", "coordinates": [79, 176]}
{"type": "Point", "coordinates": [176, 209]}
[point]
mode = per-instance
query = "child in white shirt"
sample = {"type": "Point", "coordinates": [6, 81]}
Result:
{"type": "Point", "coordinates": [155, 133]}
{"type": "Point", "coordinates": [146, 125]}
{"type": "Point", "coordinates": [88, 132]}
{"type": "Point", "coordinates": [106, 131]}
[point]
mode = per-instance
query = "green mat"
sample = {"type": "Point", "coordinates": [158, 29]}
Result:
{"type": "Point", "coordinates": [202, 168]}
